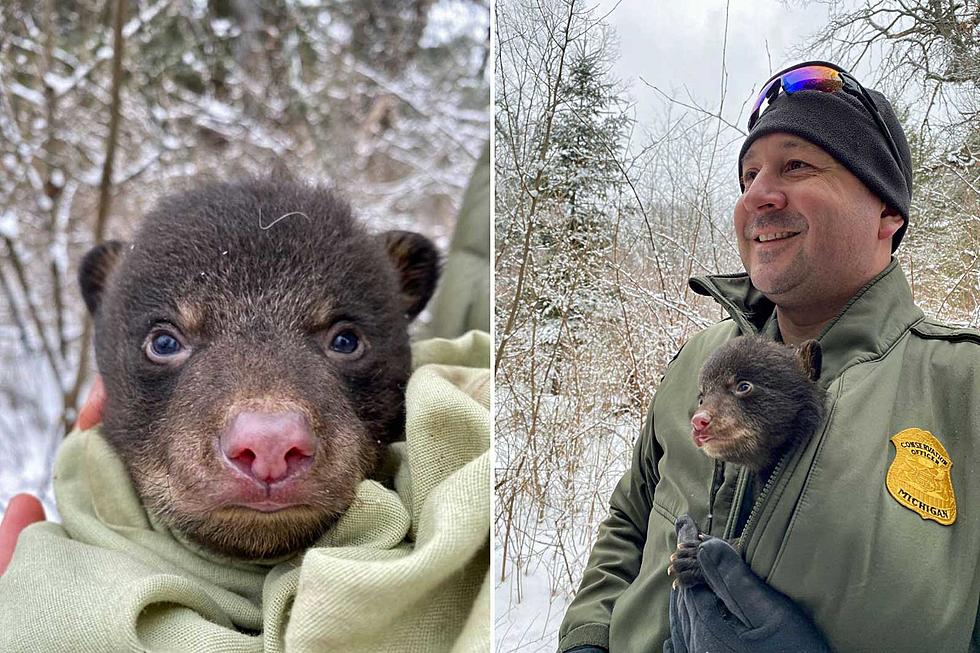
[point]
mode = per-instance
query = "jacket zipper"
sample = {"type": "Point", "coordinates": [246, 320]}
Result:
{"type": "Point", "coordinates": [741, 484]}
{"type": "Point", "coordinates": [760, 500]}
{"type": "Point", "coordinates": [754, 515]}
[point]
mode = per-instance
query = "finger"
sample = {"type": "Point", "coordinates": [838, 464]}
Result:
{"type": "Point", "coordinates": [743, 593]}
{"type": "Point", "coordinates": [22, 511]}
{"type": "Point", "coordinates": [686, 528]}
{"type": "Point", "coordinates": [91, 412]}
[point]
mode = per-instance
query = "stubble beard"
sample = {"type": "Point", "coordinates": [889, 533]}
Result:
{"type": "Point", "coordinates": [769, 279]}
{"type": "Point", "coordinates": [774, 283]}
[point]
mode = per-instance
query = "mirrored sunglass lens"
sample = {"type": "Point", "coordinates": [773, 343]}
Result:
{"type": "Point", "coordinates": [812, 78]}
{"type": "Point", "coordinates": [762, 95]}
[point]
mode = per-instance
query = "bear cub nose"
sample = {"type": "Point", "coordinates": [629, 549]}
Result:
{"type": "Point", "coordinates": [701, 420]}
{"type": "Point", "coordinates": [268, 447]}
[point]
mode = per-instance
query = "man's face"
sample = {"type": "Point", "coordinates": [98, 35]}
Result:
{"type": "Point", "coordinates": [808, 230]}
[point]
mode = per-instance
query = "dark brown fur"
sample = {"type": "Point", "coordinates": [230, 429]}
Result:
{"type": "Point", "coordinates": [784, 405]}
{"type": "Point", "coordinates": [256, 276]}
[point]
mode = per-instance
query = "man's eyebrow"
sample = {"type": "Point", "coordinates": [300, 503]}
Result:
{"type": "Point", "coordinates": [792, 143]}
{"type": "Point", "coordinates": [788, 143]}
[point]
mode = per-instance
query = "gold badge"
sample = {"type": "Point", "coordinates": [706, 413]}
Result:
{"type": "Point", "coordinates": [919, 476]}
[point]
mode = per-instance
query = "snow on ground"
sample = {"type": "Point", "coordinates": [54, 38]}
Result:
{"type": "Point", "coordinates": [548, 538]}
{"type": "Point", "coordinates": [526, 614]}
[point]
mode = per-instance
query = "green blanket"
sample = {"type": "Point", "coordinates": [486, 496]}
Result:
{"type": "Point", "coordinates": [402, 570]}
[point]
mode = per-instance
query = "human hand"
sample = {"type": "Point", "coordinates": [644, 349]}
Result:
{"type": "Point", "coordinates": [25, 509]}
{"type": "Point", "coordinates": [91, 411]}
{"type": "Point", "coordinates": [22, 511]}
{"type": "Point", "coordinates": [735, 610]}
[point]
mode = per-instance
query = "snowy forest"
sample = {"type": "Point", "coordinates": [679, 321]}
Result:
{"type": "Point", "coordinates": [106, 106]}
{"type": "Point", "coordinates": [600, 221]}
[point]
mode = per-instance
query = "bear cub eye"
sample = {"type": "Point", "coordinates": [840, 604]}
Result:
{"type": "Point", "coordinates": [345, 342]}
{"type": "Point", "coordinates": [164, 347]}
{"type": "Point", "coordinates": [743, 388]}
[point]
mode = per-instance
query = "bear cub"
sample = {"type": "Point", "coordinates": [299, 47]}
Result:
{"type": "Point", "coordinates": [253, 341]}
{"type": "Point", "coordinates": [756, 399]}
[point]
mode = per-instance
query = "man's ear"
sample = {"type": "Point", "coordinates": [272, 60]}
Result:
{"type": "Point", "coordinates": [891, 221]}
{"type": "Point", "coordinates": [416, 260]}
{"type": "Point", "coordinates": [96, 269]}
{"type": "Point", "coordinates": [809, 358]}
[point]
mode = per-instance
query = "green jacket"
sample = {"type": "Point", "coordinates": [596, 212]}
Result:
{"type": "Point", "coordinates": [872, 573]}
{"type": "Point", "coordinates": [462, 301]}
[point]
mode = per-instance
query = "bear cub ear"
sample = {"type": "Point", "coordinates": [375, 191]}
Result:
{"type": "Point", "coordinates": [95, 270]}
{"type": "Point", "coordinates": [809, 358]}
{"type": "Point", "coordinates": [416, 260]}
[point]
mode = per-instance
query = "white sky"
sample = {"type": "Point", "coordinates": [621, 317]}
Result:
{"type": "Point", "coordinates": [673, 45]}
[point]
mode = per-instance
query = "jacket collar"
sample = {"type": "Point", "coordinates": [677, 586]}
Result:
{"type": "Point", "coordinates": [869, 324]}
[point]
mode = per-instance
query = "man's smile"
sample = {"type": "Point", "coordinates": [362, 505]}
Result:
{"type": "Point", "coordinates": [779, 235]}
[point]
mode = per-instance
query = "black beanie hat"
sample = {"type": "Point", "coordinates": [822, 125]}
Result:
{"type": "Point", "coordinates": [839, 124]}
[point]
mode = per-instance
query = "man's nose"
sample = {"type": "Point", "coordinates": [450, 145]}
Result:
{"type": "Point", "coordinates": [764, 193]}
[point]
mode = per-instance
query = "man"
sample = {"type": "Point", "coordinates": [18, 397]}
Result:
{"type": "Point", "coordinates": [870, 526]}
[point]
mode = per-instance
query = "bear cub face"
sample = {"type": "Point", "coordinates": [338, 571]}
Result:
{"type": "Point", "coordinates": [253, 343]}
{"type": "Point", "coordinates": [756, 398]}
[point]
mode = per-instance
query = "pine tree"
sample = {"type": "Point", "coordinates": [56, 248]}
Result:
{"type": "Point", "coordinates": [585, 176]}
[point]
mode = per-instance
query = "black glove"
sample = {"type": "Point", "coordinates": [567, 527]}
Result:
{"type": "Point", "coordinates": [734, 610]}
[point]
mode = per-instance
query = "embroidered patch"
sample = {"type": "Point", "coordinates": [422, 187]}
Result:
{"type": "Point", "coordinates": [919, 476]}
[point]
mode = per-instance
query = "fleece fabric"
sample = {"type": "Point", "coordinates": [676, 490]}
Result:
{"type": "Point", "coordinates": [404, 569]}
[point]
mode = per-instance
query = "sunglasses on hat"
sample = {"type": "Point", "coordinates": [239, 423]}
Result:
{"type": "Point", "coordinates": [828, 78]}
